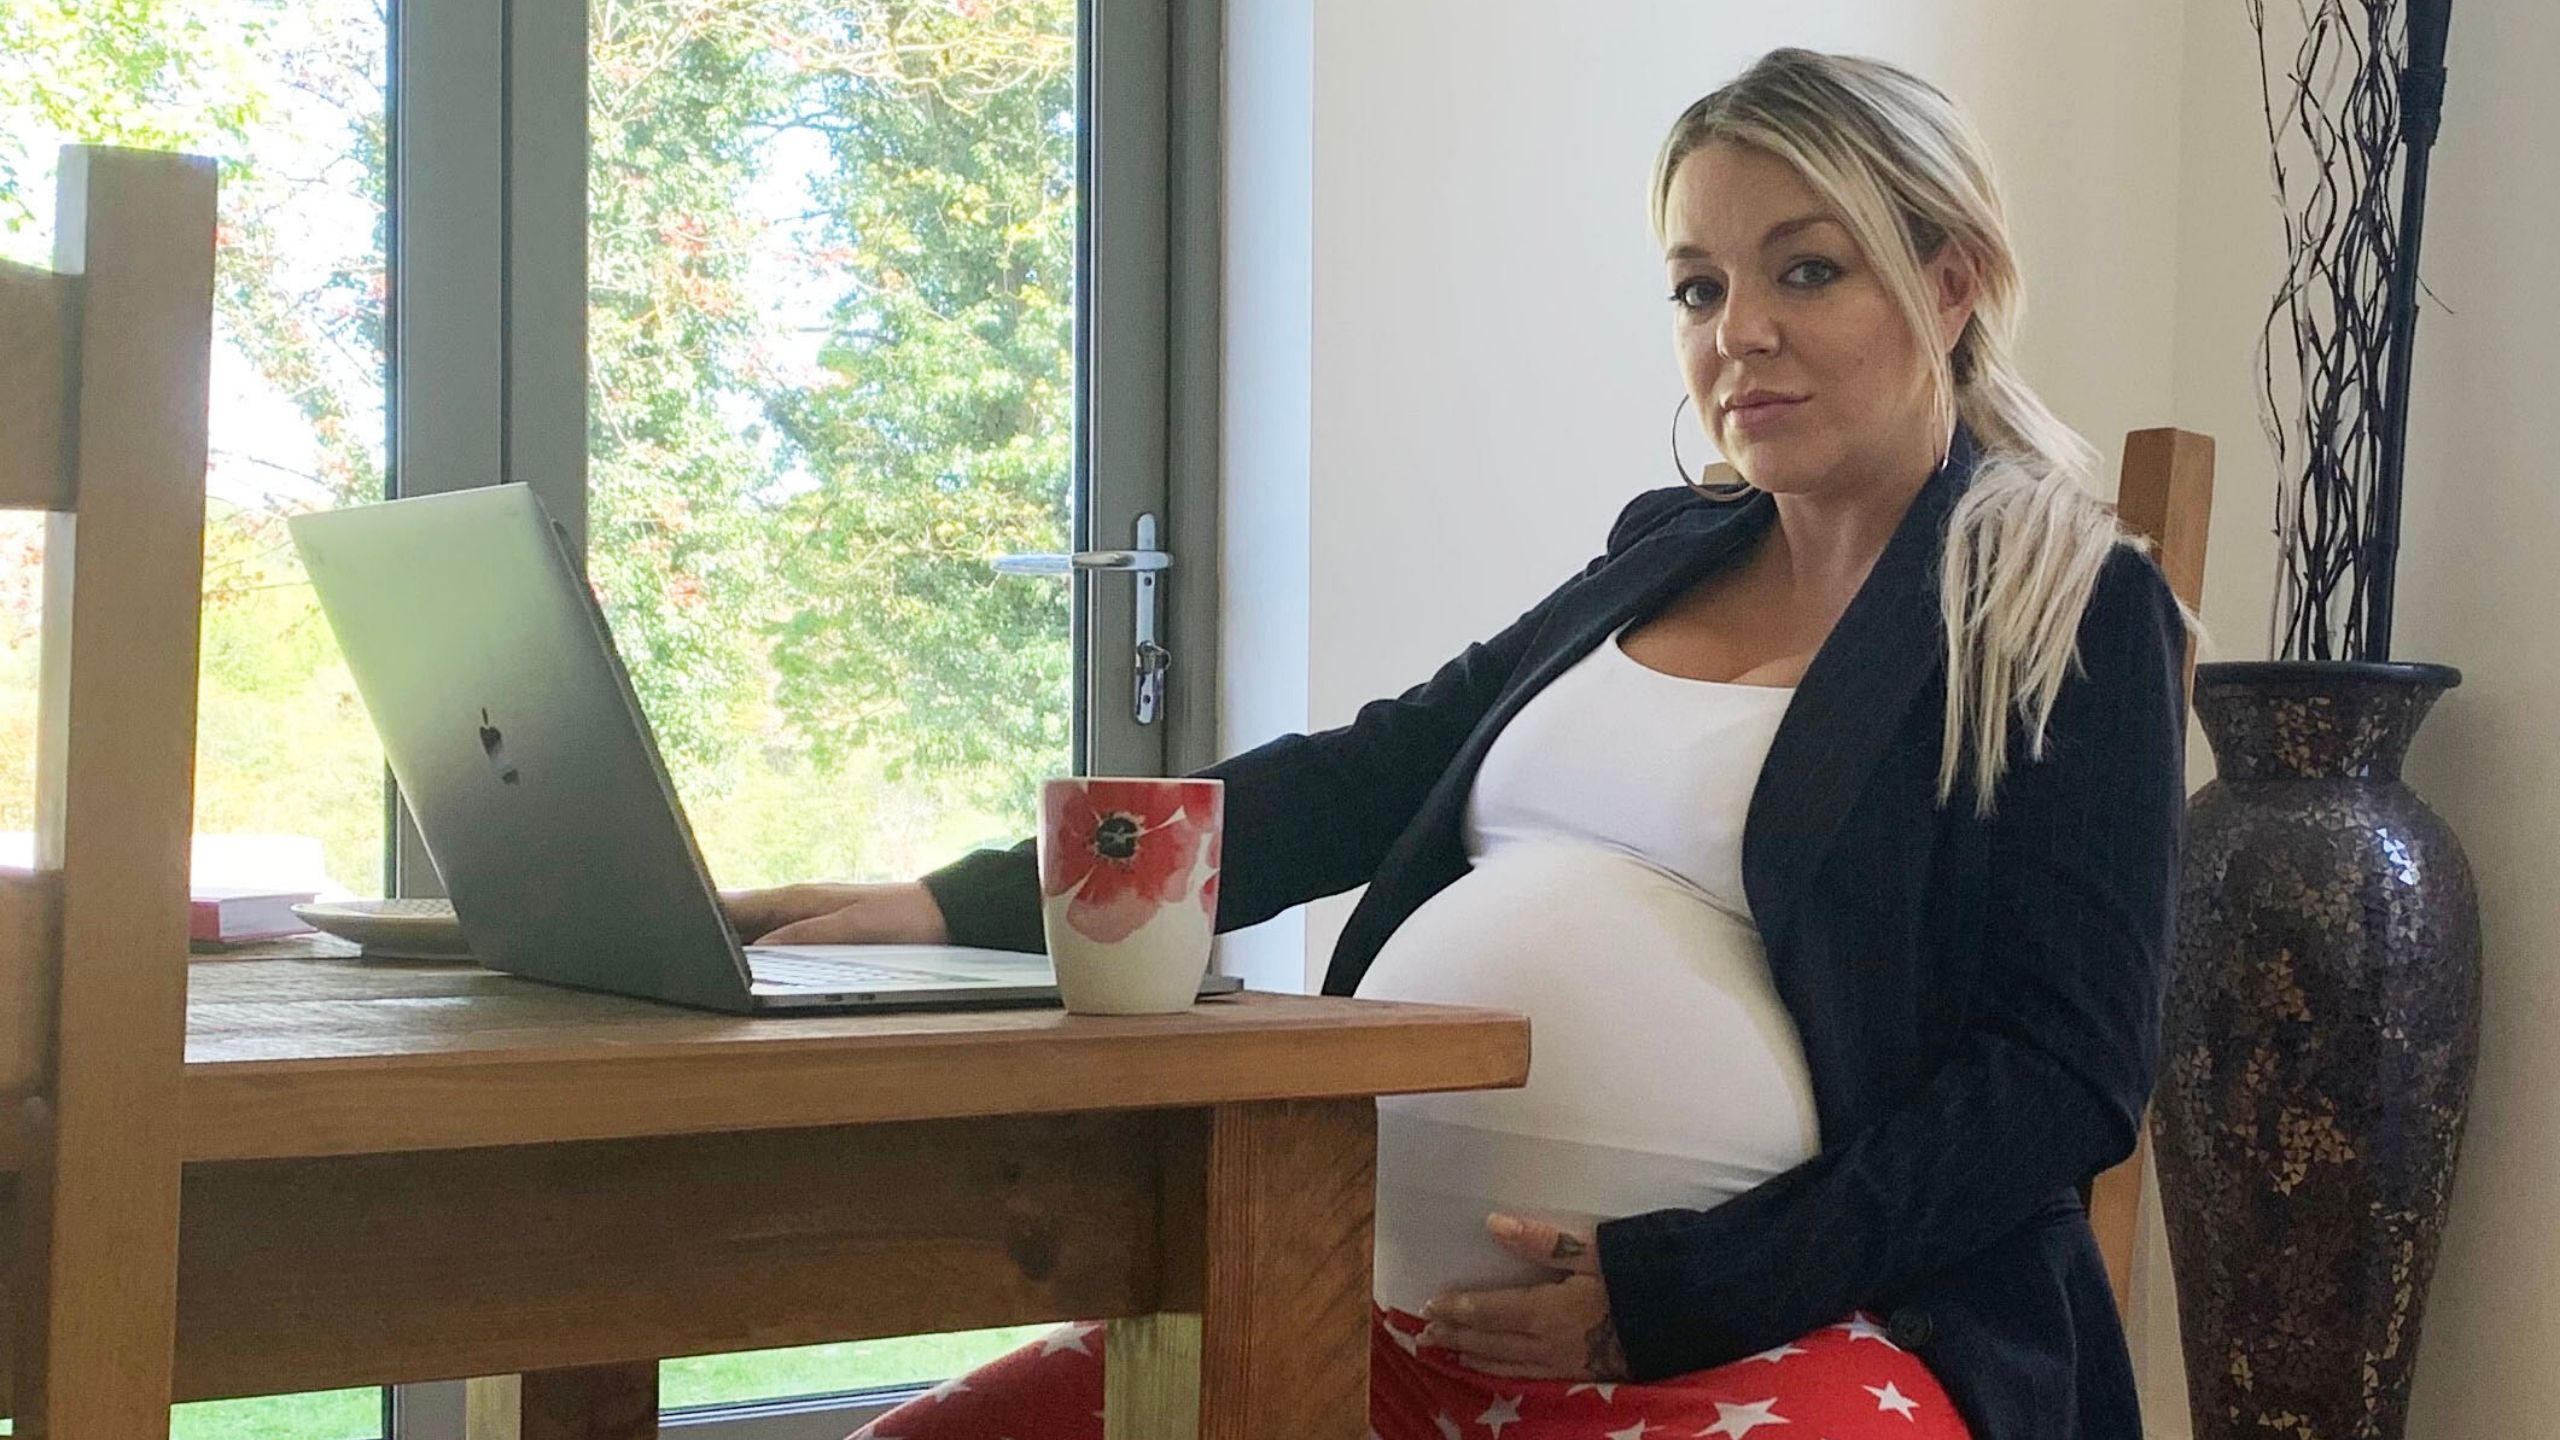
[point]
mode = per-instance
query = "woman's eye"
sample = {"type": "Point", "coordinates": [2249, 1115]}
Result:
{"type": "Point", "coordinates": [1695, 294]}
{"type": "Point", "coordinates": [1811, 272]}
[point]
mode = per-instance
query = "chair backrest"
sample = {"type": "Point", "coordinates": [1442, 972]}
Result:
{"type": "Point", "coordinates": [2166, 494]}
{"type": "Point", "coordinates": [103, 377]}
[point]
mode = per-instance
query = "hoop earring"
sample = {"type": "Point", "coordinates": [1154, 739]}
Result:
{"type": "Point", "coordinates": [1675, 440]}
{"type": "Point", "coordinates": [1741, 488]}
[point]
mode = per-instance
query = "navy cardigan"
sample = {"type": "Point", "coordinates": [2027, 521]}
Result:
{"type": "Point", "coordinates": [1978, 998]}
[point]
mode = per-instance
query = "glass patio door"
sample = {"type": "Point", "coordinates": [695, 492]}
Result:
{"type": "Point", "coordinates": [802, 314]}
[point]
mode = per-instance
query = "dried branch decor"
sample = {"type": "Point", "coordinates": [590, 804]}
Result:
{"type": "Point", "coordinates": [2356, 109]}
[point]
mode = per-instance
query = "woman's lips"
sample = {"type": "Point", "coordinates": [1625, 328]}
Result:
{"type": "Point", "coordinates": [1756, 415]}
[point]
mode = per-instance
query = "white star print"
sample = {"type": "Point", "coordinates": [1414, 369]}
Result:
{"type": "Point", "coordinates": [1741, 1420]}
{"type": "Point", "coordinates": [1500, 1413]}
{"type": "Point", "coordinates": [947, 1389]}
{"type": "Point", "coordinates": [1862, 1328]}
{"type": "Point", "coordinates": [1781, 1353]}
{"type": "Point", "coordinates": [1632, 1432]}
{"type": "Point", "coordinates": [1067, 1337]}
{"type": "Point", "coordinates": [1448, 1427]}
{"type": "Point", "coordinates": [1608, 1390]}
{"type": "Point", "coordinates": [1888, 1398]}
{"type": "Point", "coordinates": [1408, 1342]}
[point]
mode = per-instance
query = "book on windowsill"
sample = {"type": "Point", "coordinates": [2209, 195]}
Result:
{"type": "Point", "coordinates": [234, 917]}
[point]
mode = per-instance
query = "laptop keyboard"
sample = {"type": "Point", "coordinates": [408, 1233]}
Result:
{"type": "Point", "coordinates": [811, 973]}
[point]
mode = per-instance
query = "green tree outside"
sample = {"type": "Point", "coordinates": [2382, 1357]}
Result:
{"type": "Point", "coordinates": [791, 515]}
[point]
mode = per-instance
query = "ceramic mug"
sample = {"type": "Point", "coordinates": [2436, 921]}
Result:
{"type": "Point", "coordinates": [1129, 889]}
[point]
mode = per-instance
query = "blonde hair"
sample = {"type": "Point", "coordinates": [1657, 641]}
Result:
{"type": "Point", "coordinates": [1905, 171]}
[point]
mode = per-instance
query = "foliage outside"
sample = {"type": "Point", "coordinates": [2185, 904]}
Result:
{"type": "Point", "coordinates": [831, 279]}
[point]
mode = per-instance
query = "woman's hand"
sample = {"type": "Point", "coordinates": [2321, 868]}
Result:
{"type": "Point", "coordinates": [1559, 1330]}
{"type": "Point", "coordinates": [893, 914]}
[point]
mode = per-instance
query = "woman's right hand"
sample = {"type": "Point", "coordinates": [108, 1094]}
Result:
{"type": "Point", "coordinates": [902, 913]}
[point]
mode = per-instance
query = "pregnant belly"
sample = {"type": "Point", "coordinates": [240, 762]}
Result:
{"type": "Point", "coordinates": [1663, 1069]}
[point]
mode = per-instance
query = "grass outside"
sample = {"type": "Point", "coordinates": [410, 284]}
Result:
{"type": "Point", "coordinates": [703, 1380]}
{"type": "Point", "coordinates": [337, 1415]}
{"type": "Point", "coordinates": [819, 1369]}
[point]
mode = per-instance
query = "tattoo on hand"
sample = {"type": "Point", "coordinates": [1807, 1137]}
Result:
{"type": "Point", "coordinates": [1567, 1247]}
{"type": "Point", "coordinates": [1608, 1361]}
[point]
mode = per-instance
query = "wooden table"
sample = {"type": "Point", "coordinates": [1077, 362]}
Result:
{"type": "Point", "coordinates": [416, 1172]}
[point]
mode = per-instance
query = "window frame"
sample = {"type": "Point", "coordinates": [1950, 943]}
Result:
{"type": "Point", "coordinates": [487, 335]}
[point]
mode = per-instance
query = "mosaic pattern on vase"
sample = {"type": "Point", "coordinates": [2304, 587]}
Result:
{"type": "Point", "coordinates": [2318, 1044]}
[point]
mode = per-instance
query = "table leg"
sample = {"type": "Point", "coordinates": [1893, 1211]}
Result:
{"type": "Point", "coordinates": [1151, 1377]}
{"type": "Point", "coordinates": [594, 1402]}
{"type": "Point", "coordinates": [1280, 1345]}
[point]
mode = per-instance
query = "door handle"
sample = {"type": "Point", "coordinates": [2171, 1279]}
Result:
{"type": "Point", "coordinates": [1142, 560]}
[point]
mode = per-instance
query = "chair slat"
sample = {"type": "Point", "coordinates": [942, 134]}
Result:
{"type": "Point", "coordinates": [2165, 493]}
{"type": "Point", "coordinates": [115, 780]}
{"type": "Point", "coordinates": [30, 931]}
{"type": "Point", "coordinates": [38, 318]}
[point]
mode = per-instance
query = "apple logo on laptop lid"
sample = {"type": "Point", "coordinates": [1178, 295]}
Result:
{"type": "Point", "coordinates": [495, 745]}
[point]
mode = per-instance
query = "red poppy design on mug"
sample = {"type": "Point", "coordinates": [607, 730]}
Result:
{"type": "Point", "coordinates": [1209, 887]}
{"type": "Point", "coordinates": [1123, 849]}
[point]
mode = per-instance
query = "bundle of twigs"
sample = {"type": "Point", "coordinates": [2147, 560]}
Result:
{"type": "Point", "coordinates": [2356, 109]}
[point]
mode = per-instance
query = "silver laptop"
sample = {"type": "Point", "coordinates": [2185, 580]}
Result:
{"type": "Point", "coordinates": [511, 726]}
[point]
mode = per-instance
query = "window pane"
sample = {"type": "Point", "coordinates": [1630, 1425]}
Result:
{"type": "Point", "coordinates": [827, 1369]}
{"type": "Point", "coordinates": [337, 1415]}
{"type": "Point", "coordinates": [831, 250]}
{"type": "Point", "coordinates": [288, 94]}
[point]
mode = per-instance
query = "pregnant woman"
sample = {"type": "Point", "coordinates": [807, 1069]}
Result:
{"type": "Point", "coordinates": [1825, 827]}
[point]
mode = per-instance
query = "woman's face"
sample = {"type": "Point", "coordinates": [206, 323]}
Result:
{"type": "Point", "coordinates": [1798, 361]}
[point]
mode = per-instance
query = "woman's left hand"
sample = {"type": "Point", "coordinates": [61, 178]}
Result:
{"type": "Point", "coordinates": [1559, 1330]}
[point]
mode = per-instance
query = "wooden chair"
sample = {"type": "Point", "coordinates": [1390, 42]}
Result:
{"type": "Point", "coordinates": [2165, 493]}
{"type": "Point", "coordinates": [103, 371]}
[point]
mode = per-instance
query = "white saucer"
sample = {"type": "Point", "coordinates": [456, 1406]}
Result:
{"type": "Point", "coordinates": [401, 929]}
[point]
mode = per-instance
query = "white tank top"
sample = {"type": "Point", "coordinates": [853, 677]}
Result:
{"type": "Point", "coordinates": [1605, 901]}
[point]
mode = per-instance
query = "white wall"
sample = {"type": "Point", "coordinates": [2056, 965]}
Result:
{"type": "Point", "coordinates": [1267, 308]}
{"type": "Point", "coordinates": [2478, 589]}
{"type": "Point", "coordinates": [1448, 365]}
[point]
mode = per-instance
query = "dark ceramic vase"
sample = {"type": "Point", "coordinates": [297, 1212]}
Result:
{"type": "Point", "coordinates": [2317, 1050]}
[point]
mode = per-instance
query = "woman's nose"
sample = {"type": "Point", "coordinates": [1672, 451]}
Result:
{"type": "Point", "coordinates": [1745, 327]}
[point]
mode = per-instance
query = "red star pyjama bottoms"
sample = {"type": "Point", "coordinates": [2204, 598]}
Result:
{"type": "Point", "coordinates": [1842, 1382]}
